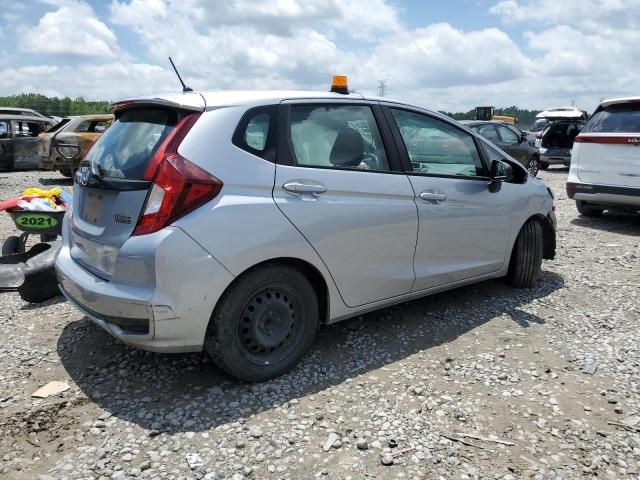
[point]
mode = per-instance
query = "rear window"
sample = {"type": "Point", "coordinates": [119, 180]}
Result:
{"type": "Point", "coordinates": [623, 118]}
{"type": "Point", "coordinates": [126, 148]}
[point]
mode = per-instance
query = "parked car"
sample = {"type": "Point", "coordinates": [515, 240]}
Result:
{"type": "Point", "coordinates": [511, 140]}
{"type": "Point", "coordinates": [556, 141]}
{"type": "Point", "coordinates": [27, 112]}
{"type": "Point", "coordinates": [605, 161]}
{"type": "Point", "coordinates": [18, 139]}
{"type": "Point", "coordinates": [239, 222]}
{"type": "Point", "coordinates": [63, 146]}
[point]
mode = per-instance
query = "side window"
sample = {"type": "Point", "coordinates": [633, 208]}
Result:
{"type": "Point", "coordinates": [508, 136]}
{"type": "Point", "coordinates": [100, 127]}
{"type": "Point", "coordinates": [340, 136]}
{"type": "Point", "coordinates": [255, 135]}
{"type": "Point", "coordinates": [4, 130]}
{"type": "Point", "coordinates": [257, 131]}
{"type": "Point", "coordinates": [519, 173]}
{"type": "Point", "coordinates": [489, 132]}
{"type": "Point", "coordinates": [435, 147]}
{"type": "Point", "coordinates": [83, 126]}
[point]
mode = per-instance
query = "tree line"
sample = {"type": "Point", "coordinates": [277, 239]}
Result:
{"type": "Point", "coordinates": [59, 107]}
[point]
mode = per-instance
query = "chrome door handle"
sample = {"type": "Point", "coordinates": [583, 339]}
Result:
{"type": "Point", "coordinates": [433, 197]}
{"type": "Point", "coordinates": [296, 186]}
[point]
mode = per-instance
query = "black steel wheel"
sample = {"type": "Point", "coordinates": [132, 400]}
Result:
{"type": "Point", "coordinates": [264, 323]}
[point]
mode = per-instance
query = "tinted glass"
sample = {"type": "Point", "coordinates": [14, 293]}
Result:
{"type": "Point", "coordinates": [126, 148]}
{"type": "Point", "coordinates": [337, 137]}
{"type": "Point", "coordinates": [255, 135]}
{"type": "Point", "coordinates": [4, 129]}
{"type": "Point", "coordinates": [436, 147]}
{"type": "Point", "coordinates": [508, 136]}
{"type": "Point", "coordinates": [622, 118]}
{"type": "Point", "coordinates": [100, 127]}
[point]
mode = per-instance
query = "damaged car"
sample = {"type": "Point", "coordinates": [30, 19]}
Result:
{"type": "Point", "coordinates": [18, 140]}
{"type": "Point", "coordinates": [63, 146]}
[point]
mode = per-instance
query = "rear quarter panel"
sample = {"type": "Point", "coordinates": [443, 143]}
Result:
{"type": "Point", "coordinates": [243, 226]}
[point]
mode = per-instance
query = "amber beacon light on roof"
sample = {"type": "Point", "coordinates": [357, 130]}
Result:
{"type": "Point", "coordinates": [339, 84]}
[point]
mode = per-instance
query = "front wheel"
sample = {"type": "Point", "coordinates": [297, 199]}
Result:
{"type": "Point", "coordinates": [588, 210]}
{"type": "Point", "coordinates": [526, 258]}
{"type": "Point", "coordinates": [264, 324]}
{"type": "Point", "coordinates": [533, 166]}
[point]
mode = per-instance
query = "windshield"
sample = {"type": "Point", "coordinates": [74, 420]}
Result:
{"type": "Point", "coordinates": [126, 148]}
{"type": "Point", "coordinates": [619, 118]}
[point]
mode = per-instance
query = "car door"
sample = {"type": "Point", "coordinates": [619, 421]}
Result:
{"type": "Point", "coordinates": [26, 144]}
{"type": "Point", "coordinates": [6, 145]}
{"type": "Point", "coordinates": [512, 144]}
{"type": "Point", "coordinates": [463, 227]}
{"type": "Point", "coordinates": [341, 186]}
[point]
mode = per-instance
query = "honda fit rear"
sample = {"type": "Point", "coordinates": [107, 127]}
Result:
{"type": "Point", "coordinates": [239, 222]}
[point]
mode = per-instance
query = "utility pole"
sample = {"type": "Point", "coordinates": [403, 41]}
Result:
{"type": "Point", "coordinates": [382, 84]}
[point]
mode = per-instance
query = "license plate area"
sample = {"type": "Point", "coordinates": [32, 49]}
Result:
{"type": "Point", "coordinates": [92, 211]}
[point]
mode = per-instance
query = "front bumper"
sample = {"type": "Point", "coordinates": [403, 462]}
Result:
{"type": "Point", "coordinates": [620, 197]}
{"type": "Point", "coordinates": [169, 312]}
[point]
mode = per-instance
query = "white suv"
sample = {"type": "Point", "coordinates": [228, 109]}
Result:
{"type": "Point", "coordinates": [605, 161]}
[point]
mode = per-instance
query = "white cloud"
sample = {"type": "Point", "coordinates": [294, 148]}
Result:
{"type": "Point", "coordinates": [72, 29]}
{"type": "Point", "coordinates": [570, 50]}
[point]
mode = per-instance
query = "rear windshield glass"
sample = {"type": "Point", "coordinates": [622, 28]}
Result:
{"type": "Point", "coordinates": [128, 145]}
{"type": "Point", "coordinates": [623, 118]}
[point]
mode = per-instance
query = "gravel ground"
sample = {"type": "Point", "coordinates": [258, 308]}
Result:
{"type": "Point", "coordinates": [482, 382]}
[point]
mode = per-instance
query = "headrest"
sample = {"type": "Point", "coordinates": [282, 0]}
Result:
{"type": "Point", "coordinates": [348, 149]}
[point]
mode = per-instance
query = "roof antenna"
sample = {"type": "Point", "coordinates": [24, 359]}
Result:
{"type": "Point", "coordinates": [184, 87]}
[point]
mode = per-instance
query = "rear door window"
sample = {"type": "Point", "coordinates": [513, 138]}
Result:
{"type": "Point", "coordinates": [125, 149]}
{"type": "Point", "coordinates": [344, 136]}
{"type": "Point", "coordinates": [620, 118]}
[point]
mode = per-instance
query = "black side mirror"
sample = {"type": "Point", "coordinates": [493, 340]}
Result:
{"type": "Point", "coordinates": [500, 172]}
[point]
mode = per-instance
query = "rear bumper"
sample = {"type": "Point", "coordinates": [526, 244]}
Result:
{"type": "Point", "coordinates": [555, 159]}
{"type": "Point", "coordinates": [622, 197]}
{"type": "Point", "coordinates": [169, 312]}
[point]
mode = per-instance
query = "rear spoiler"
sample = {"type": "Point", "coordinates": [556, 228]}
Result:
{"type": "Point", "coordinates": [187, 101]}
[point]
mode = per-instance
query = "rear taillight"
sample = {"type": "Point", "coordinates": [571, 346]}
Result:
{"type": "Point", "coordinates": [538, 135]}
{"type": "Point", "coordinates": [179, 187]}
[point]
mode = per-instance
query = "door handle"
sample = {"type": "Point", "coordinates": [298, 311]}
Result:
{"type": "Point", "coordinates": [433, 197]}
{"type": "Point", "coordinates": [297, 186]}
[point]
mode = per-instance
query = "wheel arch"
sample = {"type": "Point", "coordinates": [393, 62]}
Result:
{"type": "Point", "coordinates": [314, 276]}
{"type": "Point", "coordinates": [548, 237]}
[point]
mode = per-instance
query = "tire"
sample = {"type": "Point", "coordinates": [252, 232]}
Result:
{"type": "Point", "coordinates": [544, 165]}
{"type": "Point", "coordinates": [526, 258]}
{"type": "Point", "coordinates": [588, 210]}
{"type": "Point", "coordinates": [249, 334]}
{"type": "Point", "coordinates": [12, 245]}
{"type": "Point", "coordinates": [533, 166]}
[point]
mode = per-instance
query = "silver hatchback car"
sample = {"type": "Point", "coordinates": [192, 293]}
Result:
{"type": "Point", "coordinates": [239, 222]}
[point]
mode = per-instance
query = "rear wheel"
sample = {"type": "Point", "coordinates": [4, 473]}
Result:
{"type": "Point", "coordinates": [264, 324]}
{"type": "Point", "coordinates": [526, 258]}
{"type": "Point", "coordinates": [588, 210]}
{"type": "Point", "coordinates": [67, 172]}
{"type": "Point", "coordinates": [533, 166]}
